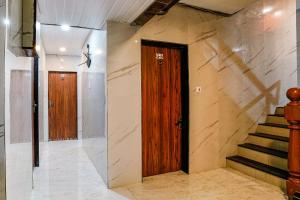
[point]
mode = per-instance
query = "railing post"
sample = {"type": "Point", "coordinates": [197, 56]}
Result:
{"type": "Point", "coordinates": [292, 115]}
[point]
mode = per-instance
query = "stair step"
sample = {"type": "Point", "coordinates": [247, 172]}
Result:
{"type": "Point", "coordinates": [274, 129]}
{"type": "Point", "coordinates": [267, 156]}
{"type": "Point", "coordinates": [279, 111]}
{"type": "Point", "coordinates": [259, 171]}
{"type": "Point", "coordinates": [276, 125]}
{"type": "Point", "coordinates": [269, 141]}
{"type": "Point", "coordinates": [296, 196]}
{"type": "Point", "coordinates": [265, 150]}
{"type": "Point", "coordinates": [269, 136]}
{"type": "Point", "coordinates": [276, 119]}
{"type": "Point", "coordinates": [260, 166]}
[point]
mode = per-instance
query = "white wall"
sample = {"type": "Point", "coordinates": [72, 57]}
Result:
{"type": "Point", "coordinates": [94, 103]}
{"type": "Point", "coordinates": [62, 63]}
{"type": "Point", "coordinates": [18, 156]}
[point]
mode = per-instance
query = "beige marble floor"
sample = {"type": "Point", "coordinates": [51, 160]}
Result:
{"type": "Point", "coordinates": [220, 184]}
{"type": "Point", "coordinates": [66, 173]}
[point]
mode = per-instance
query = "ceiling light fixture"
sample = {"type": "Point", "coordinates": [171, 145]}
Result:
{"type": "Point", "coordinates": [62, 49]}
{"type": "Point", "coordinates": [38, 25]}
{"type": "Point", "coordinates": [267, 10]}
{"type": "Point", "coordinates": [65, 27]}
{"type": "Point", "coordinates": [6, 21]}
{"type": "Point", "coordinates": [37, 47]}
{"type": "Point", "coordinates": [98, 52]}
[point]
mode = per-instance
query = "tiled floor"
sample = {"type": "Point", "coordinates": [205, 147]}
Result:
{"type": "Point", "coordinates": [66, 173]}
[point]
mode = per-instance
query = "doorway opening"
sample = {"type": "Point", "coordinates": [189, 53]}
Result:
{"type": "Point", "coordinates": [165, 108]}
{"type": "Point", "coordinates": [62, 106]}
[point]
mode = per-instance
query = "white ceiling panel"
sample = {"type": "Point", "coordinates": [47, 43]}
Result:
{"type": "Point", "coordinates": [225, 6]}
{"type": "Point", "coordinates": [89, 13]}
{"type": "Point", "coordinates": [72, 40]}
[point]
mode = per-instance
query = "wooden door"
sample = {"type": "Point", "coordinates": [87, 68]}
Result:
{"type": "Point", "coordinates": [161, 110]}
{"type": "Point", "coordinates": [62, 105]}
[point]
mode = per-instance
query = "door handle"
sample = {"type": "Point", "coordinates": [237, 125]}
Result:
{"type": "Point", "coordinates": [34, 107]}
{"type": "Point", "coordinates": [179, 123]}
{"type": "Point", "coordinates": [51, 104]}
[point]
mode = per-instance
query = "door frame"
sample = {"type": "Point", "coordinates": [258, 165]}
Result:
{"type": "Point", "coordinates": [184, 95]}
{"type": "Point", "coordinates": [36, 140]}
{"type": "Point", "coordinates": [48, 80]}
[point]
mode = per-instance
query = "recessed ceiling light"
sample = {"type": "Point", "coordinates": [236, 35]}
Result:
{"type": "Point", "coordinates": [65, 27]}
{"type": "Point", "coordinates": [37, 47]}
{"type": "Point", "coordinates": [98, 52]}
{"type": "Point", "coordinates": [38, 25]}
{"type": "Point", "coordinates": [6, 21]}
{"type": "Point", "coordinates": [267, 10]}
{"type": "Point", "coordinates": [62, 49]}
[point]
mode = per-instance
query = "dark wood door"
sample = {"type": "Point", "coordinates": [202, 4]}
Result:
{"type": "Point", "coordinates": [161, 110]}
{"type": "Point", "coordinates": [62, 105]}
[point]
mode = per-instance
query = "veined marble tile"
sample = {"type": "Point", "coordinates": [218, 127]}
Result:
{"type": "Point", "coordinates": [244, 63]}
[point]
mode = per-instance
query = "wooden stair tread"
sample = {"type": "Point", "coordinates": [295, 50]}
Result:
{"type": "Point", "coordinates": [269, 136]}
{"type": "Point", "coordinates": [275, 125]}
{"type": "Point", "coordinates": [260, 166]}
{"type": "Point", "coordinates": [273, 152]}
{"type": "Point", "coordinates": [296, 196]}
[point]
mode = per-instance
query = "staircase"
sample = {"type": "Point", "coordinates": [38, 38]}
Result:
{"type": "Point", "coordinates": [264, 155]}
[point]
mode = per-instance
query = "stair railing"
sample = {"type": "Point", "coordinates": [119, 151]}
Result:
{"type": "Point", "coordinates": [292, 115]}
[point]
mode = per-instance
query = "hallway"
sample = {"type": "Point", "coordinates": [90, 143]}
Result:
{"type": "Point", "coordinates": [66, 173]}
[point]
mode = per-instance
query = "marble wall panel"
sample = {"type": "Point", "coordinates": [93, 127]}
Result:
{"type": "Point", "coordinates": [93, 89]}
{"type": "Point", "coordinates": [244, 64]}
{"type": "Point", "coordinates": [20, 106]}
{"type": "Point", "coordinates": [18, 141]}
{"type": "Point", "coordinates": [93, 119]}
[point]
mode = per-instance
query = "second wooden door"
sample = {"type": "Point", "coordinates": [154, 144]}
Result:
{"type": "Point", "coordinates": [161, 110]}
{"type": "Point", "coordinates": [62, 105]}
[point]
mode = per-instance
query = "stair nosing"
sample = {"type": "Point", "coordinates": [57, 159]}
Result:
{"type": "Point", "coordinates": [276, 115]}
{"type": "Point", "coordinates": [274, 125]}
{"type": "Point", "coordinates": [283, 174]}
{"type": "Point", "coordinates": [270, 136]}
{"type": "Point", "coordinates": [265, 150]}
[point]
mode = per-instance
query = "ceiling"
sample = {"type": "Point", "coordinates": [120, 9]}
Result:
{"type": "Point", "coordinates": [54, 37]}
{"type": "Point", "coordinates": [89, 13]}
{"type": "Point", "coordinates": [94, 13]}
{"type": "Point", "coordinates": [224, 6]}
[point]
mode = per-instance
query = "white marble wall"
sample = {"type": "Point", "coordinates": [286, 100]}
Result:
{"type": "Point", "coordinates": [94, 103]}
{"type": "Point", "coordinates": [244, 64]}
{"type": "Point", "coordinates": [18, 152]}
{"type": "Point", "coordinates": [93, 117]}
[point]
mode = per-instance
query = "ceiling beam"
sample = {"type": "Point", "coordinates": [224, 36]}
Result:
{"type": "Point", "coordinates": [158, 7]}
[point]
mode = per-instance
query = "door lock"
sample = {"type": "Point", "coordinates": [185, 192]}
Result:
{"type": "Point", "coordinates": [179, 123]}
{"type": "Point", "coordinates": [51, 104]}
